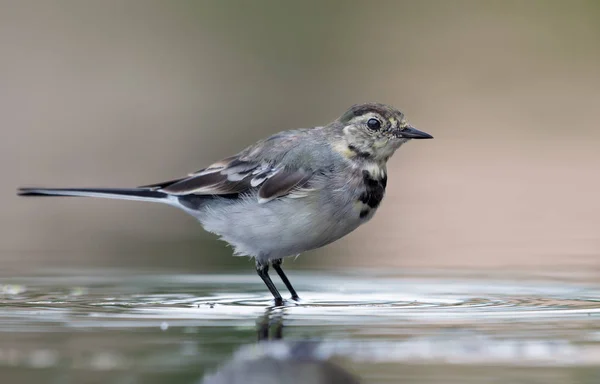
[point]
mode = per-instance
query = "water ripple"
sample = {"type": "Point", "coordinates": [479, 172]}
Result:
{"type": "Point", "coordinates": [366, 319]}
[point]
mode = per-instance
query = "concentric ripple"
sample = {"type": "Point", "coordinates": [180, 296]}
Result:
{"type": "Point", "coordinates": [193, 322]}
{"type": "Point", "coordinates": [207, 296]}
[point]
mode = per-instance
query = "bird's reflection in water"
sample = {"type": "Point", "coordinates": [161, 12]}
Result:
{"type": "Point", "coordinates": [276, 361]}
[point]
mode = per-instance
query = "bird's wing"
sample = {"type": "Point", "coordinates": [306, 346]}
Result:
{"type": "Point", "coordinates": [265, 167]}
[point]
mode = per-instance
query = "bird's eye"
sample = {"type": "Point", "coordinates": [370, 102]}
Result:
{"type": "Point", "coordinates": [374, 124]}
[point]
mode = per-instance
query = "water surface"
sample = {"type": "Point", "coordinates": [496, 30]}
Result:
{"type": "Point", "coordinates": [423, 327]}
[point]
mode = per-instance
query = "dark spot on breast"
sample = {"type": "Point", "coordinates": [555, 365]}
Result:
{"type": "Point", "coordinates": [364, 213]}
{"type": "Point", "coordinates": [374, 190]}
{"type": "Point", "coordinates": [358, 152]}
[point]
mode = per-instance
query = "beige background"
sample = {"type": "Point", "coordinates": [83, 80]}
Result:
{"type": "Point", "coordinates": [115, 93]}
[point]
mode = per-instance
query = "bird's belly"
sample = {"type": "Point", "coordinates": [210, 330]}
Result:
{"type": "Point", "coordinates": [280, 228]}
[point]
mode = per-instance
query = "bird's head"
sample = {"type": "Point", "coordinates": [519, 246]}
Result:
{"type": "Point", "coordinates": [375, 131]}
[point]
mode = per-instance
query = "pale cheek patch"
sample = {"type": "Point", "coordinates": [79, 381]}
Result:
{"type": "Point", "coordinates": [349, 130]}
{"type": "Point", "coordinates": [342, 148]}
{"type": "Point", "coordinates": [381, 143]}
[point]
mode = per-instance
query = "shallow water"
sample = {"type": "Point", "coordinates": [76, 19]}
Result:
{"type": "Point", "coordinates": [421, 327]}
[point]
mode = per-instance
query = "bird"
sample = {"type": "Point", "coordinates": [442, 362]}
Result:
{"type": "Point", "coordinates": [294, 191]}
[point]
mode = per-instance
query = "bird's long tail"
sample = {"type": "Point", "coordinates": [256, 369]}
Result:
{"type": "Point", "coordinates": [139, 194]}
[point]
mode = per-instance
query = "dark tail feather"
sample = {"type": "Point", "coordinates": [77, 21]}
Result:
{"type": "Point", "coordinates": [140, 194]}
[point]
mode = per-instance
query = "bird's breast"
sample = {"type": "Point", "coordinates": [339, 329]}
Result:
{"type": "Point", "coordinates": [371, 190]}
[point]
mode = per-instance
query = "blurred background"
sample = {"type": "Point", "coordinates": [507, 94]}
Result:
{"type": "Point", "coordinates": [483, 259]}
{"type": "Point", "coordinates": [116, 94]}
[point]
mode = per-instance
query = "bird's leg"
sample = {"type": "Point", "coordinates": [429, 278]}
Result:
{"type": "Point", "coordinates": [277, 265]}
{"type": "Point", "coordinates": [263, 272]}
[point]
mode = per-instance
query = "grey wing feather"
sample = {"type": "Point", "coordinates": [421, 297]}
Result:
{"type": "Point", "coordinates": [266, 166]}
{"type": "Point", "coordinates": [283, 183]}
{"type": "Point", "coordinates": [236, 177]}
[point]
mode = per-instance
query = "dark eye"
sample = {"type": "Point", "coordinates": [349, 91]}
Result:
{"type": "Point", "coordinates": [374, 124]}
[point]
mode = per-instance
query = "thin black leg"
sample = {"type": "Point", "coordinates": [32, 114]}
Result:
{"type": "Point", "coordinates": [277, 266]}
{"type": "Point", "coordinates": [263, 272]}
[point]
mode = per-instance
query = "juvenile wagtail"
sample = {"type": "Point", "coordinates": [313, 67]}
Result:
{"type": "Point", "coordinates": [289, 193]}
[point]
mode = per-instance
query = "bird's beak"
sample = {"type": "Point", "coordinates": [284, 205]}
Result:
{"type": "Point", "coordinates": [412, 133]}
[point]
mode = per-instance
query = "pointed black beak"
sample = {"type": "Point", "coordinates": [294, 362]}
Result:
{"type": "Point", "coordinates": [412, 133]}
